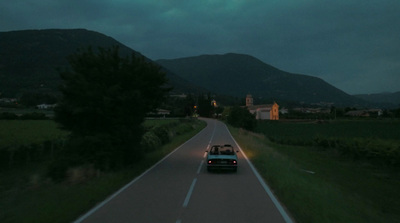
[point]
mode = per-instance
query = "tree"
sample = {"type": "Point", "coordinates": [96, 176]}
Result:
{"type": "Point", "coordinates": [204, 105]}
{"type": "Point", "coordinates": [242, 118]}
{"type": "Point", "coordinates": [105, 100]}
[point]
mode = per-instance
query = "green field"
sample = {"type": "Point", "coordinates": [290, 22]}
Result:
{"type": "Point", "coordinates": [374, 140]}
{"type": "Point", "coordinates": [24, 132]}
{"type": "Point", "coordinates": [321, 185]}
{"type": "Point", "coordinates": [383, 129]}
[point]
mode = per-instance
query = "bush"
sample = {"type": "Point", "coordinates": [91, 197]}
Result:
{"type": "Point", "coordinates": [8, 116]}
{"type": "Point", "coordinates": [183, 128]}
{"type": "Point", "coordinates": [57, 169]}
{"type": "Point", "coordinates": [163, 133]}
{"type": "Point", "coordinates": [27, 116]}
{"type": "Point", "coordinates": [34, 116]}
{"type": "Point", "coordinates": [150, 141]}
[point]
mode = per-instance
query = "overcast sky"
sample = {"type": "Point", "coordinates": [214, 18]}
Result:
{"type": "Point", "coordinates": [352, 44]}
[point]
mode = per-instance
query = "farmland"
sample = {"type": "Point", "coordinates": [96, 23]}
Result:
{"type": "Point", "coordinates": [24, 132]}
{"type": "Point", "coordinates": [317, 181]}
{"type": "Point", "coordinates": [383, 129]}
{"type": "Point", "coordinates": [373, 140]}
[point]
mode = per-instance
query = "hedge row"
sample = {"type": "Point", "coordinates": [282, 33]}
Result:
{"type": "Point", "coordinates": [157, 136]}
{"type": "Point", "coordinates": [21, 155]}
{"type": "Point", "coordinates": [27, 116]}
{"type": "Point", "coordinates": [383, 151]}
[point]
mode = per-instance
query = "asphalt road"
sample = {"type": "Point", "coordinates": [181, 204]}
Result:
{"type": "Point", "coordinates": [179, 189]}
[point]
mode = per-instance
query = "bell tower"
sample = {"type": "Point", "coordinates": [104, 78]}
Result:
{"type": "Point", "coordinates": [249, 100]}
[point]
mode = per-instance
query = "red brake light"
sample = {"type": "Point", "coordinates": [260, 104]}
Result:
{"type": "Point", "coordinates": [234, 162]}
{"type": "Point", "coordinates": [209, 162]}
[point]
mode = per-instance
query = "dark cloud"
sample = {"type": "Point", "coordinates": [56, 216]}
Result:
{"type": "Point", "coordinates": [352, 44]}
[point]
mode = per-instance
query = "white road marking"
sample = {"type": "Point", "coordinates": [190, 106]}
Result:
{"type": "Point", "coordinates": [212, 136]}
{"type": "Point", "coordinates": [264, 185]}
{"type": "Point", "coordinates": [199, 169]}
{"type": "Point", "coordinates": [308, 171]}
{"type": "Point", "coordinates": [189, 194]}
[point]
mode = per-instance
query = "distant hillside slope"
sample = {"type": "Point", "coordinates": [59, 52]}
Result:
{"type": "Point", "coordinates": [238, 75]}
{"type": "Point", "coordinates": [29, 58]}
{"type": "Point", "coordinates": [388, 98]}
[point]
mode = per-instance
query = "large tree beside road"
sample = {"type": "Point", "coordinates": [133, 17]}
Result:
{"type": "Point", "coordinates": [105, 100]}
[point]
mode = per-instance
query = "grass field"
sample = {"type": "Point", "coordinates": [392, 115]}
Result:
{"type": "Point", "coordinates": [27, 195]}
{"type": "Point", "coordinates": [383, 129]}
{"type": "Point", "coordinates": [23, 132]}
{"type": "Point", "coordinates": [320, 185]}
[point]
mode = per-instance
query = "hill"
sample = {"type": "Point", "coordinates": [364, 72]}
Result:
{"type": "Point", "coordinates": [238, 75]}
{"type": "Point", "coordinates": [386, 99]}
{"type": "Point", "coordinates": [29, 59]}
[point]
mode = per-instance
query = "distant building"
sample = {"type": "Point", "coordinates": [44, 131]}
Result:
{"type": "Point", "coordinates": [8, 100]}
{"type": "Point", "coordinates": [163, 112]}
{"type": "Point", "coordinates": [178, 95]}
{"type": "Point", "coordinates": [46, 106]}
{"type": "Point", "coordinates": [262, 112]}
{"type": "Point", "coordinates": [365, 113]}
{"type": "Point", "coordinates": [159, 112]}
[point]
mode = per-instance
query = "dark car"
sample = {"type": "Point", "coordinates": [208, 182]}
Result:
{"type": "Point", "coordinates": [222, 157]}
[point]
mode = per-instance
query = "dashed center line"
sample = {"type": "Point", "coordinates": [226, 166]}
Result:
{"type": "Point", "coordinates": [189, 194]}
{"type": "Point", "coordinates": [199, 169]}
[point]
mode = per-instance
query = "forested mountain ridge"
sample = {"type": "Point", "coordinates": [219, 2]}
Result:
{"type": "Point", "coordinates": [29, 59]}
{"type": "Point", "coordinates": [239, 74]}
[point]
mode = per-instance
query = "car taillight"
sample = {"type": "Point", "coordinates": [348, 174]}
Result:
{"type": "Point", "coordinates": [209, 162]}
{"type": "Point", "coordinates": [234, 162]}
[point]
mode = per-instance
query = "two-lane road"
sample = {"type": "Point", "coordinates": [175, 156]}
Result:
{"type": "Point", "coordinates": [179, 189]}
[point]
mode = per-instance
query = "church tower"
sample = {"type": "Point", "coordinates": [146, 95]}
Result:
{"type": "Point", "coordinates": [249, 100]}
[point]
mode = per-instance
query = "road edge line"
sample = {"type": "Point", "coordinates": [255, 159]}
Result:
{"type": "Point", "coordinates": [267, 189]}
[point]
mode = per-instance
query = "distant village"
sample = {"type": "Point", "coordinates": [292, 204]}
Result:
{"type": "Point", "coordinates": [261, 111]}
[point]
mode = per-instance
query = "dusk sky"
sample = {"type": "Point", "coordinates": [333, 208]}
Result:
{"type": "Point", "coordinates": [352, 44]}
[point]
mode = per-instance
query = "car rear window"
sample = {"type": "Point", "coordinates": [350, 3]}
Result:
{"type": "Point", "coordinates": [220, 150]}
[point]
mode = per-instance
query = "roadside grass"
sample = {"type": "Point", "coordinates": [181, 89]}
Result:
{"type": "Point", "coordinates": [320, 186]}
{"type": "Point", "coordinates": [26, 195]}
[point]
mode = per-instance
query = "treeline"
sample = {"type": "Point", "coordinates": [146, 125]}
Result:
{"type": "Point", "coordinates": [26, 116]}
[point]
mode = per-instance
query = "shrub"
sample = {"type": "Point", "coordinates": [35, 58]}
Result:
{"type": "Point", "coordinates": [34, 116]}
{"type": "Point", "coordinates": [162, 133]}
{"type": "Point", "coordinates": [150, 141]}
{"type": "Point", "coordinates": [183, 128]}
{"type": "Point", "coordinates": [8, 116]}
{"type": "Point", "coordinates": [57, 169]}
